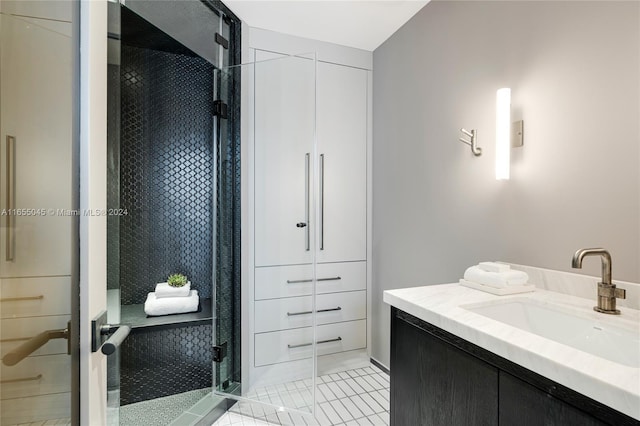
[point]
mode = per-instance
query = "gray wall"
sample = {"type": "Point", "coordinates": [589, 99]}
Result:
{"type": "Point", "coordinates": [573, 68]}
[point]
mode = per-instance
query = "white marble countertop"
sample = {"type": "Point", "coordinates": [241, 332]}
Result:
{"type": "Point", "coordinates": [613, 384]}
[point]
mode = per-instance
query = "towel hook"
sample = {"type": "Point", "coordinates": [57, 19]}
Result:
{"type": "Point", "coordinates": [477, 151]}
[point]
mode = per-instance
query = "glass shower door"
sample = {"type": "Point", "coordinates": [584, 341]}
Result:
{"type": "Point", "coordinates": [264, 323]}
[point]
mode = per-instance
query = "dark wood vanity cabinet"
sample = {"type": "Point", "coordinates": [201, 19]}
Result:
{"type": "Point", "coordinates": [439, 379]}
{"type": "Point", "coordinates": [525, 405]}
{"type": "Point", "coordinates": [434, 383]}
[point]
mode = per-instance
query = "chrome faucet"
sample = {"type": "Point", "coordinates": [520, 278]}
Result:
{"type": "Point", "coordinates": [607, 291]}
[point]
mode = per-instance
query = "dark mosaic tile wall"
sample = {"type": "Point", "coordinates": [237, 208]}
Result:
{"type": "Point", "coordinates": [166, 175]}
{"type": "Point", "coordinates": [113, 175]}
{"type": "Point", "coordinates": [166, 171]}
{"type": "Point", "coordinates": [164, 180]}
{"type": "Point", "coordinates": [157, 363]}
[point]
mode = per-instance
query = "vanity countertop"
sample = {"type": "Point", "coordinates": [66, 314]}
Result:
{"type": "Point", "coordinates": [613, 384]}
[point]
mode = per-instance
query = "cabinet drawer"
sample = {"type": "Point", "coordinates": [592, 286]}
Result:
{"type": "Point", "coordinates": [16, 331]}
{"type": "Point", "coordinates": [53, 369]}
{"type": "Point", "coordinates": [289, 281]}
{"type": "Point", "coordinates": [28, 297]}
{"type": "Point", "coordinates": [286, 313]}
{"type": "Point", "coordinates": [282, 346]}
{"type": "Point", "coordinates": [36, 409]}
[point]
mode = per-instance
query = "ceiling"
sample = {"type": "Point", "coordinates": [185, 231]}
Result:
{"type": "Point", "coordinates": [364, 24]}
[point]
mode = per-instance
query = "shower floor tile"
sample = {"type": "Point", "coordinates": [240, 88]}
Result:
{"type": "Point", "coordinates": [159, 411]}
{"type": "Point", "coordinates": [352, 397]}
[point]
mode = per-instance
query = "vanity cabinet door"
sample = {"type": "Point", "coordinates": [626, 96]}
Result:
{"type": "Point", "coordinates": [433, 383]}
{"type": "Point", "coordinates": [526, 405]}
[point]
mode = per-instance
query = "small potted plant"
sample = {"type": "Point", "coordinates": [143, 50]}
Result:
{"type": "Point", "coordinates": [177, 280]}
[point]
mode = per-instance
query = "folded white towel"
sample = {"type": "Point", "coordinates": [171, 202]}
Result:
{"type": "Point", "coordinates": [165, 290]}
{"type": "Point", "coordinates": [171, 305]}
{"type": "Point", "coordinates": [494, 267]}
{"type": "Point", "coordinates": [496, 279]}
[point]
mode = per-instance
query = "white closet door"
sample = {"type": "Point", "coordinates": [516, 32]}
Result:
{"type": "Point", "coordinates": [342, 145]}
{"type": "Point", "coordinates": [284, 135]}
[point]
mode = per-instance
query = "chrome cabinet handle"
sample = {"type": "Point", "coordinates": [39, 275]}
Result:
{"type": "Point", "coordinates": [337, 339]}
{"type": "Point", "coordinates": [321, 201]}
{"type": "Point", "coordinates": [307, 168]}
{"type": "Point", "coordinates": [18, 299]}
{"type": "Point", "coordinates": [310, 280]}
{"type": "Point", "coordinates": [10, 219]}
{"type": "Point", "coordinates": [291, 314]}
{"type": "Point", "coordinates": [22, 379]}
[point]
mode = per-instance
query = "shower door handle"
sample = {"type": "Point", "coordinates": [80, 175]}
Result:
{"type": "Point", "coordinates": [116, 338]}
{"type": "Point", "coordinates": [107, 337]}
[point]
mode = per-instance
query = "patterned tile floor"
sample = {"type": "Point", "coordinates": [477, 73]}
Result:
{"type": "Point", "coordinates": [352, 397]}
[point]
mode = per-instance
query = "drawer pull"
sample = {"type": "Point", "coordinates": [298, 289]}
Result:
{"type": "Point", "coordinates": [329, 279]}
{"type": "Point", "coordinates": [337, 339]}
{"type": "Point", "coordinates": [22, 379]}
{"type": "Point", "coordinates": [18, 299]}
{"type": "Point", "coordinates": [310, 280]}
{"type": "Point", "coordinates": [291, 314]}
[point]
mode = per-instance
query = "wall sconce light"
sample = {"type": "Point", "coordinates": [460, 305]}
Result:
{"type": "Point", "coordinates": [507, 134]}
{"type": "Point", "coordinates": [503, 133]}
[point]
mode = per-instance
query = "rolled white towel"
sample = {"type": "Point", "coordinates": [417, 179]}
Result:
{"type": "Point", "coordinates": [171, 305]}
{"type": "Point", "coordinates": [165, 290]}
{"type": "Point", "coordinates": [496, 279]}
{"type": "Point", "coordinates": [494, 267]}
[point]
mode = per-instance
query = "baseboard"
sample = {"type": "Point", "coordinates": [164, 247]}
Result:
{"type": "Point", "coordinates": [380, 365]}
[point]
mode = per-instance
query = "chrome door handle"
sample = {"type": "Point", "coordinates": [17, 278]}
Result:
{"type": "Point", "coordinates": [33, 344]}
{"type": "Point", "coordinates": [10, 219]}
{"type": "Point", "coordinates": [116, 338]}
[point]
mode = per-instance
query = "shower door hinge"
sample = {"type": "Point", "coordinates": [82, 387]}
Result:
{"type": "Point", "coordinates": [220, 352]}
{"type": "Point", "coordinates": [220, 109]}
{"type": "Point", "coordinates": [222, 41]}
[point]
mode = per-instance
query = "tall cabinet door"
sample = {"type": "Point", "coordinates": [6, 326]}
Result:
{"type": "Point", "coordinates": [284, 161]}
{"type": "Point", "coordinates": [35, 147]}
{"type": "Point", "coordinates": [342, 146]}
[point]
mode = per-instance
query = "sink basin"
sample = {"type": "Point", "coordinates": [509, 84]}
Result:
{"type": "Point", "coordinates": [580, 330]}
